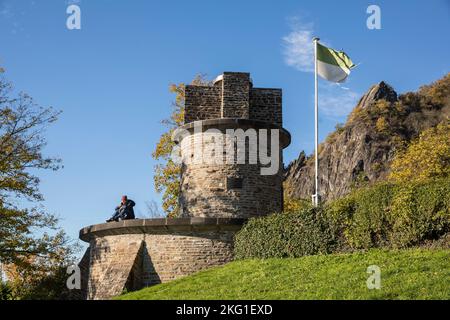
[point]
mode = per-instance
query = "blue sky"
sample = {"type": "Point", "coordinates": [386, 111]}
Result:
{"type": "Point", "coordinates": [111, 78]}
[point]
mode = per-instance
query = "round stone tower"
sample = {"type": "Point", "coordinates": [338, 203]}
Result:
{"type": "Point", "coordinates": [231, 156]}
{"type": "Point", "coordinates": [231, 149]}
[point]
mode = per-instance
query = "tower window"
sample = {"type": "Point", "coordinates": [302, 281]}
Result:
{"type": "Point", "coordinates": [234, 183]}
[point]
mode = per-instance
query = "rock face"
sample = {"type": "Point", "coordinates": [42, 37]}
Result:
{"type": "Point", "coordinates": [363, 148]}
{"type": "Point", "coordinates": [378, 92]}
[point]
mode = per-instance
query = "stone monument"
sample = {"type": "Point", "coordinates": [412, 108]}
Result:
{"type": "Point", "coordinates": [227, 177]}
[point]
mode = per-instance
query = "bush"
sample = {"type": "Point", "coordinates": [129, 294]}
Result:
{"type": "Point", "coordinates": [295, 205]}
{"type": "Point", "coordinates": [420, 212]}
{"type": "Point", "coordinates": [382, 125]}
{"type": "Point", "coordinates": [5, 291]}
{"type": "Point", "coordinates": [285, 235]}
{"type": "Point", "coordinates": [361, 218]}
{"type": "Point", "coordinates": [425, 158]}
{"type": "Point", "coordinates": [384, 215]}
{"type": "Point", "coordinates": [392, 215]}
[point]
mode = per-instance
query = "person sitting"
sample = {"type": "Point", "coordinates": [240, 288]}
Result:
{"type": "Point", "coordinates": [124, 211]}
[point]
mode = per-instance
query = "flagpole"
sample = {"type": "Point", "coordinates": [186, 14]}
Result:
{"type": "Point", "coordinates": [316, 128]}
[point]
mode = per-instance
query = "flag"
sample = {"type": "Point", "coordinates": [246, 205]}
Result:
{"type": "Point", "coordinates": [333, 65]}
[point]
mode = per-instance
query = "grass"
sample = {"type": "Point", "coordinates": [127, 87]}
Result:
{"type": "Point", "coordinates": [405, 274]}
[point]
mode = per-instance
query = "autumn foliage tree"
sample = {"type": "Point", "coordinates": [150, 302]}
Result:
{"type": "Point", "coordinates": [30, 240]}
{"type": "Point", "coordinates": [425, 158]}
{"type": "Point", "coordinates": [167, 172]}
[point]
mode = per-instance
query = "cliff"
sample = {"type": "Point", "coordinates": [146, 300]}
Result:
{"type": "Point", "coordinates": [361, 150]}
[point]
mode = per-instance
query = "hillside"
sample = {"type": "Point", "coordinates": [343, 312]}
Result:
{"type": "Point", "coordinates": [406, 274]}
{"type": "Point", "coordinates": [362, 149]}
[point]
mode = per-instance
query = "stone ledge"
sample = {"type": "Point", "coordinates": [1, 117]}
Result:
{"type": "Point", "coordinates": [233, 123]}
{"type": "Point", "coordinates": [160, 226]}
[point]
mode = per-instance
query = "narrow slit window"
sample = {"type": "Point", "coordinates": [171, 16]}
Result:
{"type": "Point", "coordinates": [234, 183]}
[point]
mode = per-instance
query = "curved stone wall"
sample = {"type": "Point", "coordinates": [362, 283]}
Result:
{"type": "Point", "coordinates": [137, 253]}
{"type": "Point", "coordinates": [214, 183]}
{"type": "Point", "coordinates": [206, 191]}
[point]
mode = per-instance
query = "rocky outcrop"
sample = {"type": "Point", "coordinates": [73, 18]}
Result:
{"type": "Point", "coordinates": [378, 92]}
{"type": "Point", "coordinates": [361, 150]}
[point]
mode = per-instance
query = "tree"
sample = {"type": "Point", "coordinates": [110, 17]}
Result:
{"type": "Point", "coordinates": [5, 291]}
{"type": "Point", "coordinates": [427, 157]}
{"type": "Point", "coordinates": [45, 280]}
{"type": "Point", "coordinates": [153, 210]}
{"type": "Point", "coordinates": [167, 172]}
{"type": "Point", "coordinates": [30, 239]}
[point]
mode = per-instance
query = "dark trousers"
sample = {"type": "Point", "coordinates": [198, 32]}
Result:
{"type": "Point", "coordinates": [117, 215]}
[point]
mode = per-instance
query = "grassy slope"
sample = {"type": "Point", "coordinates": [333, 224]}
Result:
{"type": "Point", "coordinates": [406, 274]}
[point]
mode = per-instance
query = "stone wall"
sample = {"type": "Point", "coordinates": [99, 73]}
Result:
{"type": "Point", "coordinates": [112, 262]}
{"type": "Point", "coordinates": [209, 191]}
{"type": "Point", "coordinates": [265, 105]}
{"type": "Point", "coordinates": [202, 102]}
{"type": "Point", "coordinates": [171, 256]}
{"type": "Point", "coordinates": [130, 261]}
{"type": "Point", "coordinates": [213, 187]}
{"type": "Point", "coordinates": [211, 184]}
{"type": "Point", "coordinates": [233, 96]}
{"type": "Point", "coordinates": [84, 269]}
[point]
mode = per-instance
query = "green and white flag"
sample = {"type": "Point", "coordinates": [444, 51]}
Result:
{"type": "Point", "coordinates": [333, 65]}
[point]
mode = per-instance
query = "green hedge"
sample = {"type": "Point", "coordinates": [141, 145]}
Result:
{"type": "Point", "coordinates": [285, 235]}
{"type": "Point", "coordinates": [388, 215]}
{"type": "Point", "coordinates": [384, 215]}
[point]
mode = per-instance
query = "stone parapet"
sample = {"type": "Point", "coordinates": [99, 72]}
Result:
{"type": "Point", "coordinates": [132, 254]}
{"type": "Point", "coordinates": [145, 226]}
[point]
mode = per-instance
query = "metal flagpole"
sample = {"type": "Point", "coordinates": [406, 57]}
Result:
{"type": "Point", "coordinates": [316, 128]}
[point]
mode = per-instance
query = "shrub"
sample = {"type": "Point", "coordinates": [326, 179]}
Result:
{"type": "Point", "coordinates": [438, 92]}
{"type": "Point", "coordinates": [294, 204]}
{"type": "Point", "coordinates": [5, 291]}
{"type": "Point", "coordinates": [426, 157]}
{"type": "Point", "coordinates": [381, 107]}
{"type": "Point", "coordinates": [285, 235]}
{"type": "Point", "coordinates": [390, 215]}
{"type": "Point", "coordinates": [382, 125]}
{"type": "Point", "coordinates": [361, 217]}
{"type": "Point", "coordinates": [420, 212]}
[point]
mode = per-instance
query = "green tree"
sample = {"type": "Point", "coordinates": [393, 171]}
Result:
{"type": "Point", "coordinates": [167, 172]}
{"type": "Point", "coordinates": [30, 239]}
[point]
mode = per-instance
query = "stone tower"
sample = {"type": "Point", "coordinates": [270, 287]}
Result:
{"type": "Point", "coordinates": [217, 197]}
{"type": "Point", "coordinates": [223, 122]}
